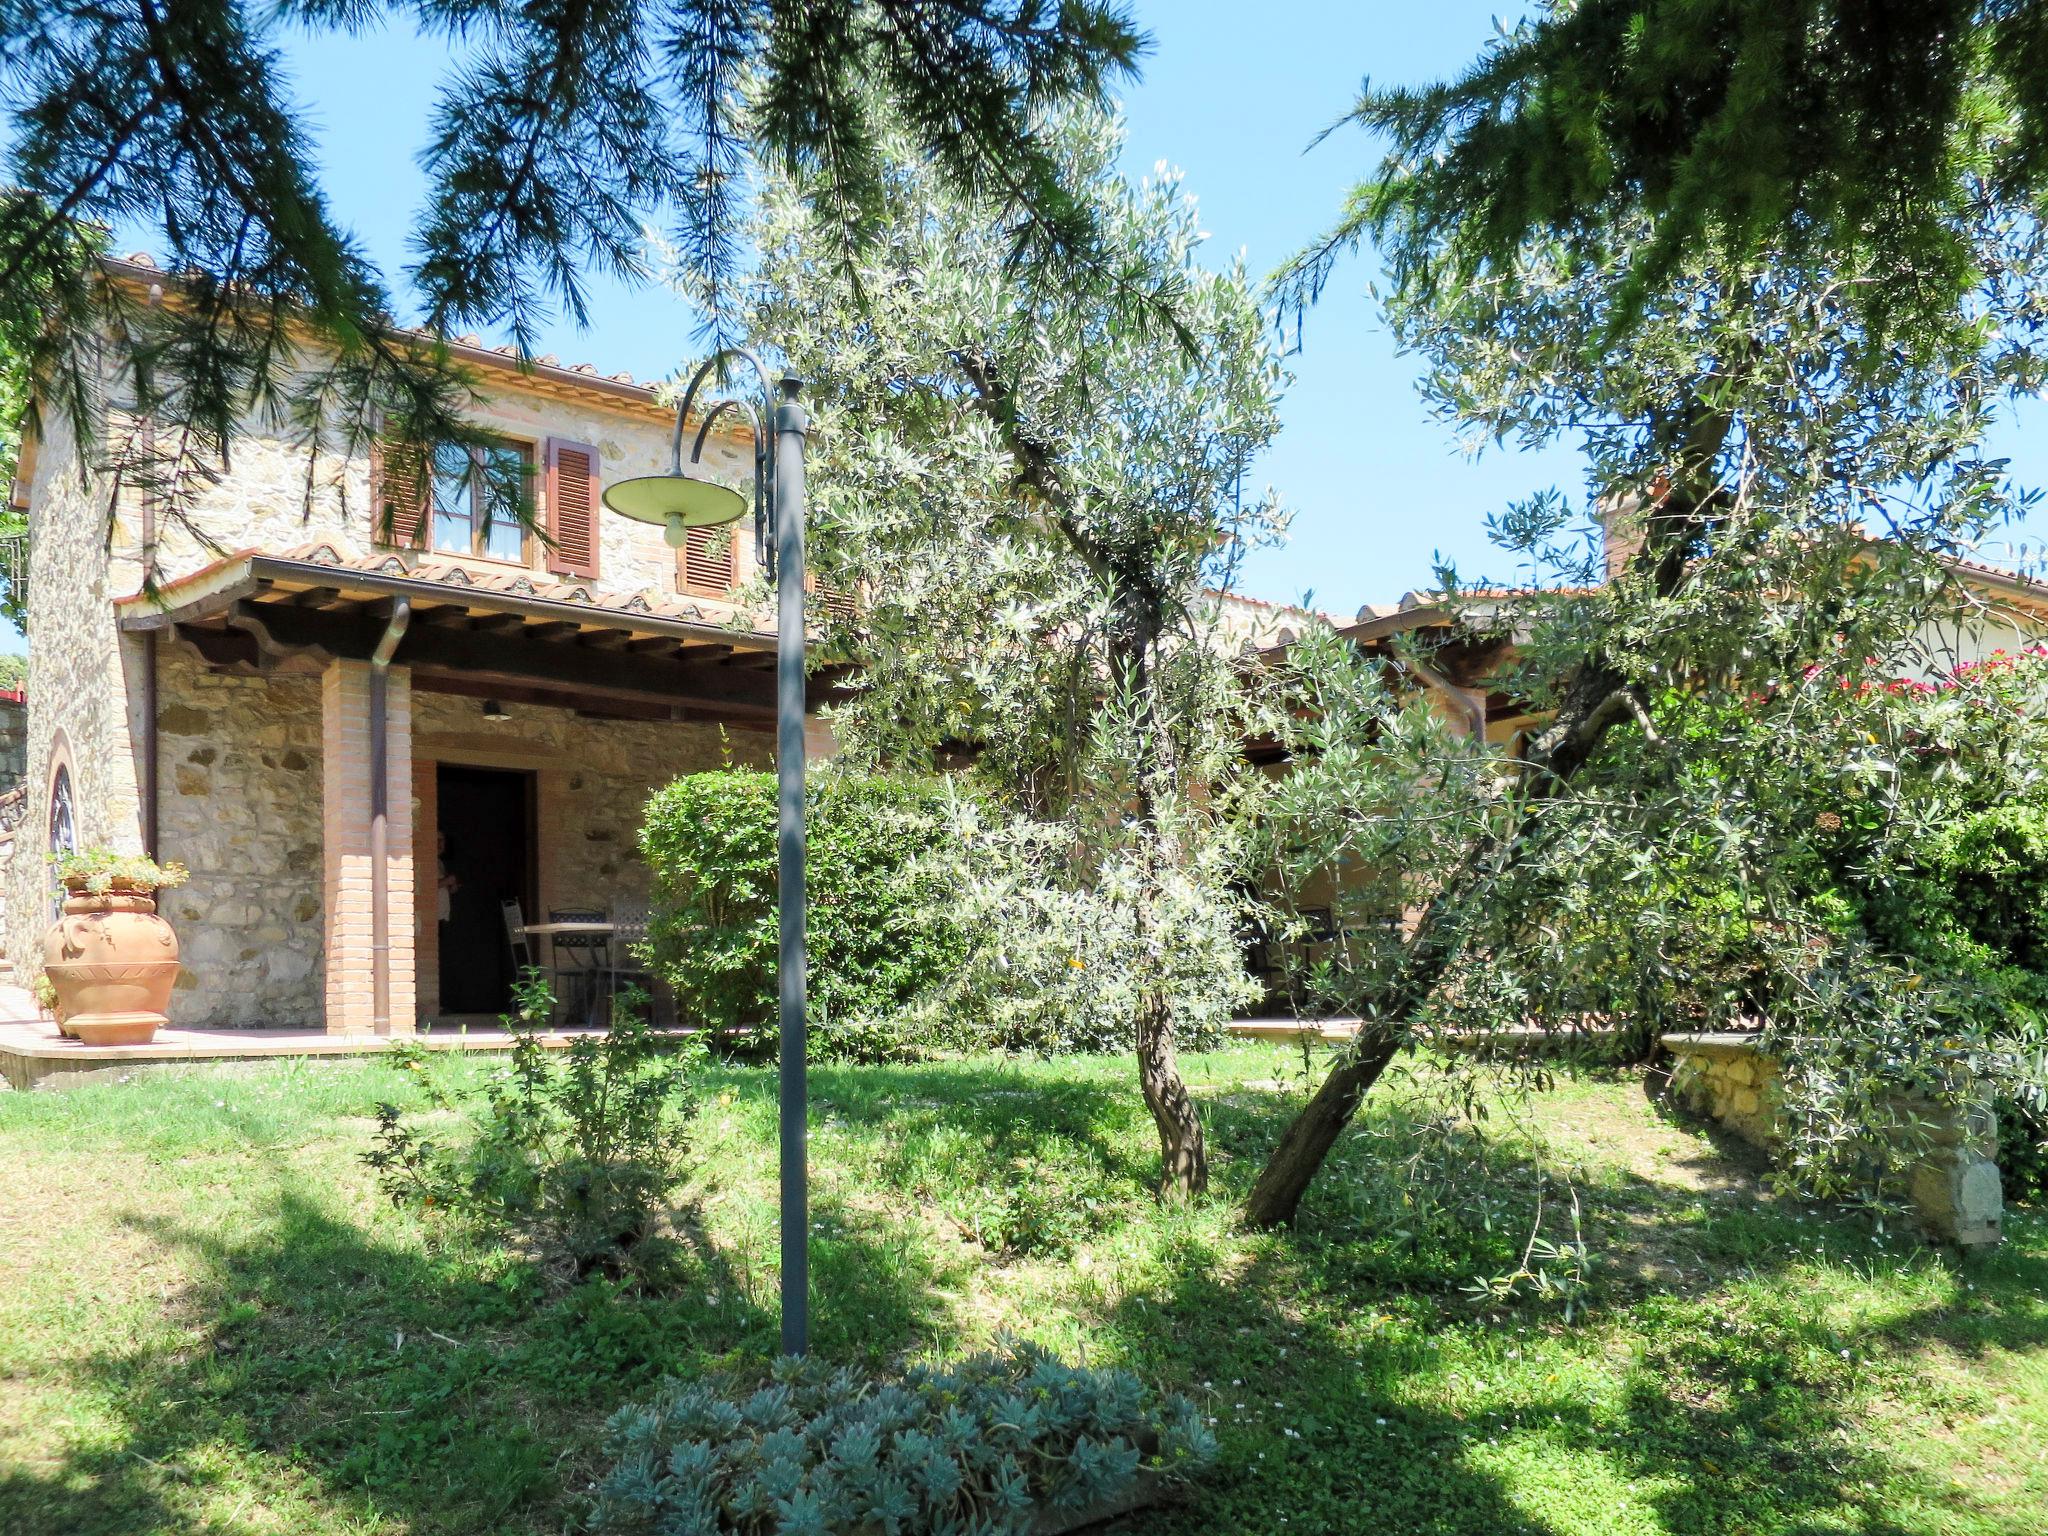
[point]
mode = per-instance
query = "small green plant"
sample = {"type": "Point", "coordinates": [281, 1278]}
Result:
{"type": "Point", "coordinates": [572, 1151]}
{"type": "Point", "coordinates": [45, 991]}
{"type": "Point", "coordinates": [984, 1446]}
{"type": "Point", "coordinates": [1032, 1213]}
{"type": "Point", "coordinates": [99, 870]}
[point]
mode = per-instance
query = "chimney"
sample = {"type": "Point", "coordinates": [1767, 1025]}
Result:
{"type": "Point", "coordinates": [1624, 522]}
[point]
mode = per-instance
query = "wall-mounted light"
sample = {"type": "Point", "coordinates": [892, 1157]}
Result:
{"type": "Point", "coordinates": [493, 710]}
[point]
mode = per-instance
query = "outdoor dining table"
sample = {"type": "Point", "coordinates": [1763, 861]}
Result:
{"type": "Point", "coordinates": [603, 932]}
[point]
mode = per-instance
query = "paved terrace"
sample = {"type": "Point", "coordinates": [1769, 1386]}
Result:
{"type": "Point", "coordinates": [34, 1055]}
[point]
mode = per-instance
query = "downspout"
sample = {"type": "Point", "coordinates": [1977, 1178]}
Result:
{"type": "Point", "coordinates": [150, 771]}
{"type": "Point", "coordinates": [380, 816]}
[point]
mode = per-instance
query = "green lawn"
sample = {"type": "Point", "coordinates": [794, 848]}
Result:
{"type": "Point", "coordinates": [208, 1321]}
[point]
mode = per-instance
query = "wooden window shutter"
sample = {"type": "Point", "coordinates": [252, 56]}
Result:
{"type": "Point", "coordinates": [707, 564]}
{"type": "Point", "coordinates": [572, 491]}
{"type": "Point", "coordinates": [398, 497]}
{"type": "Point", "coordinates": [838, 602]}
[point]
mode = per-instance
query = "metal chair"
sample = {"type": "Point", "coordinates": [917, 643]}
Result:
{"type": "Point", "coordinates": [625, 968]}
{"type": "Point", "coordinates": [522, 949]}
{"type": "Point", "coordinates": [589, 955]}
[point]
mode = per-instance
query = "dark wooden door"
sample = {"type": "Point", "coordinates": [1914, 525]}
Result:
{"type": "Point", "coordinates": [484, 819]}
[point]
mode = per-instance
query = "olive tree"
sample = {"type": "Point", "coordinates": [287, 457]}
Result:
{"type": "Point", "coordinates": [1786, 485]}
{"type": "Point", "coordinates": [1034, 491]}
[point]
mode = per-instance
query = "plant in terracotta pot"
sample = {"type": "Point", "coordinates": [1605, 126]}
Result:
{"type": "Point", "coordinates": [110, 958]}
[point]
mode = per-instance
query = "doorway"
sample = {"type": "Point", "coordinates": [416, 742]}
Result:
{"type": "Point", "coordinates": [485, 820]}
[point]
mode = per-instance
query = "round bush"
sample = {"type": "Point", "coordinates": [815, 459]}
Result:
{"type": "Point", "coordinates": [878, 931]}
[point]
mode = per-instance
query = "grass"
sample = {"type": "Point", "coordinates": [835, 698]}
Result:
{"type": "Point", "coordinates": [210, 1323]}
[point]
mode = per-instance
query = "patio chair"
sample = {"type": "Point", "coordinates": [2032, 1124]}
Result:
{"type": "Point", "coordinates": [588, 957]}
{"type": "Point", "coordinates": [522, 949]}
{"type": "Point", "coordinates": [624, 967]}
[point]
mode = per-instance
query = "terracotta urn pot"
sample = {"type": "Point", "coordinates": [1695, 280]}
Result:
{"type": "Point", "coordinates": [113, 962]}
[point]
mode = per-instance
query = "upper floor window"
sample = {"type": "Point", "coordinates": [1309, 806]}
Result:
{"type": "Point", "coordinates": [479, 495]}
{"type": "Point", "coordinates": [480, 501]}
{"type": "Point", "coordinates": [708, 563]}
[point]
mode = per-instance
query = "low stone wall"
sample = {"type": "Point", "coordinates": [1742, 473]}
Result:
{"type": "Point", "coordinates": [1954, 1190]}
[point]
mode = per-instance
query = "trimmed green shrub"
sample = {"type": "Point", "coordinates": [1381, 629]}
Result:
{"type": "Point", "coordinates": [982, 1447]}
{"type": "Point", "coordinates": [878, 933]}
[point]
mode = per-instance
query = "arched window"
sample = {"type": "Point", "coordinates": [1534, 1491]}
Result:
{"type": "Point", "coordinates": [63, 823]}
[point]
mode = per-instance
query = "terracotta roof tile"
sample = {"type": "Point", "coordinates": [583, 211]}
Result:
{"type": "Point", "coordinates": [424, 567]}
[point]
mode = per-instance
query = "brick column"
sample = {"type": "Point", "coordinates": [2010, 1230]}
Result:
{"type": "Point", "coordinates": [345, 816]}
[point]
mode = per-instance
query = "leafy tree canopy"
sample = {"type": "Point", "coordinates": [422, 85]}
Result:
{"type": "Point", "coordinates": [1858, 134]}
{"type": "Point", "coordinates": [1034, 493]}
{"type": "Point", "coordinates": [1748, 430]}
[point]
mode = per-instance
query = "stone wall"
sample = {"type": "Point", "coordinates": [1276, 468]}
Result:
{"type": "Point", "coordinates": [1954, 1188]}
{"type": "Point", "coordinates": [83, 674]}
{"type": "Point", "coordinates": [240, 805]}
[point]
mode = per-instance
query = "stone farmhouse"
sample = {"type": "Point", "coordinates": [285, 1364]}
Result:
{"type": "Point", "coordinates": [535, 690]}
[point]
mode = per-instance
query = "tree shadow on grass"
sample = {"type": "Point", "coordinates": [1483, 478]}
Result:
{"type": "Point", "coordinates": [1334, 1423]}
{"type": "Point", "coordinates": [936, 1110]}
{"type": "Point", "coordinates": [336, 1376]}
{"type": "Point", "coordinates": [336, 1380]}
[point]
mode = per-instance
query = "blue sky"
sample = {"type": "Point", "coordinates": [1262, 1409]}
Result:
{"type": "Point", "coordinates": [1233, 97]}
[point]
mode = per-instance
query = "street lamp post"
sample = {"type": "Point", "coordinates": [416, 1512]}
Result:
{"type": "Point", "coordinates": [679, 501]}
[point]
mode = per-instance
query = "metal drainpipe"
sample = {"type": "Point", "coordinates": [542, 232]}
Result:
{"type": "Point", "coordinates": [151, 773]}
{"type": "Point", "coordinates": [151, 827]}
{"type": "Point", "coordinates": [380, 816]}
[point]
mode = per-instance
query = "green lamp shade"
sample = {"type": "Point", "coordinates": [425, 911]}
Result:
{"type": "Point", "coordinates": [675, 501]}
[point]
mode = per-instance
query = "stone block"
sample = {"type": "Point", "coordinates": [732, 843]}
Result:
{"type": "Point", "coordinates": [1958, 1199]}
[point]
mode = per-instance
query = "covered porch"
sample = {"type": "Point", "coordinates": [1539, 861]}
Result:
{"type": "Point", "coordinates": [519, 724]}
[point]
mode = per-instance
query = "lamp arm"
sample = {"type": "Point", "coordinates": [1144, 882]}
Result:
{"type": "Point", "coordinates": [718, 360]}
{"type": "Point", "coordinates": [764, 442]}
{"type": "Point", "coordinates": [728, 404]}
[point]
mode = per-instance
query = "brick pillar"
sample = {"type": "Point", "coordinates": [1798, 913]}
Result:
{"type": "Point", "coordinates": [345, 816]}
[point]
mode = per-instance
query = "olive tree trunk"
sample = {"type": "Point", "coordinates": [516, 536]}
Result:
{"type": "Point", "coordinates": [1597, 697]}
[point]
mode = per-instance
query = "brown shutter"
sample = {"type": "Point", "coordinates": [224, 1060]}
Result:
{"type": "Point", "coordinates": [839, 602]}
{"type": "Point", "coordinates": [572, 508]}
{"type": "Point", "coordinates": [398, 496]}
{"type": "Point", "coordinates": [706, 565]}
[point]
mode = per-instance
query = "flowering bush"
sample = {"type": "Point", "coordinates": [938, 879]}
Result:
{"type": "Point", "coordinates": [980, 1447]}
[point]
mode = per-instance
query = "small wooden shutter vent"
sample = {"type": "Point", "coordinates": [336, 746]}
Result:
{"type": "Point", "coordinates": [706, 562]}
{"type": "Point", "coordinates": [572, 508]}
